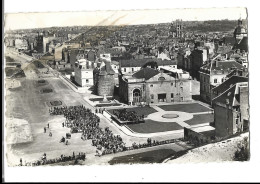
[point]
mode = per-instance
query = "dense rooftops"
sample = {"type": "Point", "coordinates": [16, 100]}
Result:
{"type": "Point", "coordinates": [142, 62]}
{"type": "Point", "coordinates": [222, 65]}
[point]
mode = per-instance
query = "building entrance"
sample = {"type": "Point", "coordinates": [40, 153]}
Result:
{"type": "Point", "coordinates": [136, 96]}
{"type": "Point", "coordinates": [162, 97]}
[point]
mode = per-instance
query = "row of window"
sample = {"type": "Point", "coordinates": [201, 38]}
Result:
{"type": "Point", "coordinates": [216, 80]}
{"type": "Point", "coordinates": [204, 79]}
{"type": "Point", "coordinates": [181, 83]}
{"type": "Point", "coordinates": [132, 69]}
{"type": "Point", "coordinates": [172, 96]}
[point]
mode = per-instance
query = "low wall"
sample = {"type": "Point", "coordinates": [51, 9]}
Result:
{"type": "Point", "coordinates": [190, 135]}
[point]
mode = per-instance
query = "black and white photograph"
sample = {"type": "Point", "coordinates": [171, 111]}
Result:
{"type": "Point", "coordinates": [127, 88]}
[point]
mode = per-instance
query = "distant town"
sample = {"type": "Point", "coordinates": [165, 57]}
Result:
{"type": "Point", "coordinates": [156, 93]}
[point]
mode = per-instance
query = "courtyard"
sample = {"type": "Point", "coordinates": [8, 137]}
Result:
{"type": "Point", "coordinates": [164, 118]}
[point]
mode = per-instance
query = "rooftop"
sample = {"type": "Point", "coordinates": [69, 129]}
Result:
{"type": "Point", "coordinates": [227, 84]}
{"type": "Point", "coordinates": [146, 73]}
{"type": "Point", "coordinates": [141, 62]}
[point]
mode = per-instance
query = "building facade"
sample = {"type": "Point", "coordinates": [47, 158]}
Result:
{"type": "Point", "coordinates": [215, 73]}
{"type": "Point", "coordinates": [231, 110]}
{"type": "Point", "coordinates": [83, 75]}
{"type": "Point", "coordinates": [150, 86]}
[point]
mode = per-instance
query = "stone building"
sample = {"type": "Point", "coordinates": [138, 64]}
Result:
{"type": "Point", "coordinates": [231, 110]}
{"type": "Point", "coordinates": [218, 90]}
{"type": "Point", "coordinates": [215, 73]}
{"type": "Point", "coordinates": [150, 86]}
{"type": "Point", "coordinates": [104, 82]}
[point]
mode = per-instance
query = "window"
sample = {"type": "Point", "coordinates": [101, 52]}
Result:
{"type": "Point", "coordinates": [152, 96]}
{"type": "Point", "coordinates": [133, 69]}
{"type": "Point", "coordinates": [87, 80]}
{"type": "Point", "coordinates": [124, 69]}
{"type": "Point", "coordinates": [222, 79]}
{"type": "Point", "coordinates": [161, 78]}
{"type": "Point", "coordinates": [151, 85]}
{"type": "Point", "coordinates": [172, 95]}
{"type": "Point", "coordinates": [215, 80]}
{"type": "Point", "coordinates": [182, 99]}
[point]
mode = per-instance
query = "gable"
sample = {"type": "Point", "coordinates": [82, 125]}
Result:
{"type": "Point", "coordinates": [161, 77]}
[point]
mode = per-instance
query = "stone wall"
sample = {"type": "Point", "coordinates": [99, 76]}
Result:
{"type": "Point", "coordinates": [105, 85]}
{"type": "Point", "coordinates": [190, 135]}
{"type": "Point", "coordinates": [224, 120]}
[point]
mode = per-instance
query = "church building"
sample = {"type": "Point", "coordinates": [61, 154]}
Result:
{"type": "Point", "coordinates": [151, 86]}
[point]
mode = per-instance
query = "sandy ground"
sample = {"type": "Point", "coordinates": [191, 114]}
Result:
{"type": "Point", "coordinates": [19, 131]}
{"type": "Point", "coordinates": [216, 152]}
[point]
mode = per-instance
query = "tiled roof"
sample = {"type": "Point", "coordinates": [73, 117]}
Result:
{"type": "Point", "coordinates": [146, 73]}
{"type": "Point", "coordinates": [223, 65]}
{"type": "Point", "coordinates": [225, 97]}
{"type": "Point", "coordinates": [227, 84]}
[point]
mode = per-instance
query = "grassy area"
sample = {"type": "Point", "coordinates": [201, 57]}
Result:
{"type": "Point", "coordinates": [9, 59]}
{"type": "Point", "coordinates": [17, 71]}
{"type": "Point", "coordinates": [190, 108]}
{"type": "Point", "coordinates": [140, 110]}
{"type": "Point", "coordinates": [200, 118]}
{"type": "Point", "coordinates": [150, 126]}
{"type": "Point", "coordinates": [155, 156]}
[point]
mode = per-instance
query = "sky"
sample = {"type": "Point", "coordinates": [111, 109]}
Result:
{"type": "Point", "coordinates": [116, 17]}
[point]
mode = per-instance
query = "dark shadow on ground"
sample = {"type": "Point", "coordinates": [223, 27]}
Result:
{"type": "Point", "coordinates": [155, 156]}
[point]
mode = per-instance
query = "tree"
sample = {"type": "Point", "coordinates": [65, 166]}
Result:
{"type": "Point", "coordinates": [242, 153]}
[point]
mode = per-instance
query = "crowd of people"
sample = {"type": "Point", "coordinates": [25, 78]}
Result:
{"type": "Point", "coordinates": [81, 119]}
{"type": "Point", "coordinates": [62, 158]}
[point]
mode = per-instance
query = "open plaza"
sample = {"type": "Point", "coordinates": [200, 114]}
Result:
{"type": "Point", "coordinates": [31, 100]}
{"type": "Point", "coordinates": [168, 118]}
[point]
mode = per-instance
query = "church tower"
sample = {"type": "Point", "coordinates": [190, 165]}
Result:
{"type": "Point", "coordinates": [240, 31]}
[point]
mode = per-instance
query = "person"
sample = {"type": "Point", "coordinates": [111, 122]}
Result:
{"type": "Point", "coordinates": [50, 134]}
{"type": "Point", "coordinates": [62, 124]}
{"type": "Point", "coordinates": [48, 126]}
{"type": "Point", "coordinates": [67, 142]}
{"type": "Point", "coordinates": [62, 139]}
{"type": "Point", "coordinates": [44, 157]}
{"type": "Point", "coordinates": [21, 161]}
{"type": "Point", "coordinates": [44, 129]}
